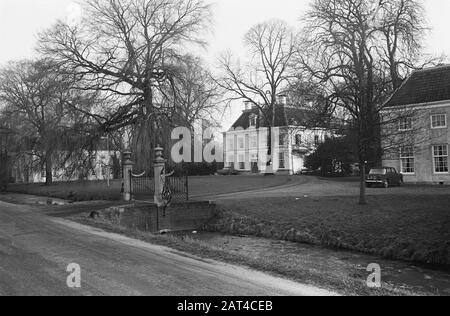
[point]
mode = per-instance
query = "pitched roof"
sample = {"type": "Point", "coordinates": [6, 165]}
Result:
{"type": "Point", "coordinates": [244, 120]}
{"type": "Point", "coordinates": [423, 86]}
{"type": "Point", "coordinates": [284, 116]}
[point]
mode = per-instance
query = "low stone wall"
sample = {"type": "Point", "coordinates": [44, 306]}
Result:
{"type": "Point", "coordinates": [147, 216]}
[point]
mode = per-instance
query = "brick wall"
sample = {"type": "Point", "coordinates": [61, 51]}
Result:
{"type": "Point", "coordinates": [147, 217]}
{"type": "Point", "coordinates": [425, 138]}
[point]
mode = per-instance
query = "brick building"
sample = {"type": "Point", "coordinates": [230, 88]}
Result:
{"type": "Point", "coordinates": [421, 129]}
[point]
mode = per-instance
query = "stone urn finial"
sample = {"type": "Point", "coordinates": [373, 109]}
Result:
{"type": "Point", "coordinates": [126, 158]}
{"type": "Point", "coordinates": [159, 155]}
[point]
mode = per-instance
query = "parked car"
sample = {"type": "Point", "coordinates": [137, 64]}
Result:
{"type": "Point", "coordinates": [385, 177]}
{"type": "Point", "coordinates": [307, 172]}
{"type": "Point", "coordinates": [227, 171]}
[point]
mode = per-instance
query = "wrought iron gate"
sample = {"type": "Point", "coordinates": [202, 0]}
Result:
{"type": "Point", "coordinates": [142, 186]}
{"type": "Point", "coordinates": [178, 188]}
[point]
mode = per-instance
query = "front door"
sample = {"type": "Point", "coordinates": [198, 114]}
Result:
{"type": "Point", "coordinates": [255, 168]}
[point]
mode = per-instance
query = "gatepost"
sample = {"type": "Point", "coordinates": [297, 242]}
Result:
{"type": "Point", "coordinates": [127, 168]}
{"type": "Point", "coordinates": [159, 165]}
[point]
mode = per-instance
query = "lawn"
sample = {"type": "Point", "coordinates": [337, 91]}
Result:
{"type": "Point", "coordinates": [411, 228]}
{"type": "Point", "coordinates": [410, 223]}
{"type": "Point", "coordinates": [343, 279]}
{"type": "Point", "coordinates": [75, 191]}
{"type": "Point", "coordinates": [199, 187]}
{"type": "Point", "coordinates": [216, 185]}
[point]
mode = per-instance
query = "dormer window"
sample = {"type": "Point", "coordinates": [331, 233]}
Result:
{"type": "Point", "coordinates": [253, 120]}
{"type": "Point", "coordinates": [283, 139]}
{"type": "Point", "coordinates": [317, 140]}
{"type": "Point", "coordinates": [298, 140]}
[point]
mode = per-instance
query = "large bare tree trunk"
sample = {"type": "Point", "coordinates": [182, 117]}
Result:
{"type": "Point", "coordinates": [270, 141]}
{"type": "Point", "coordinates": [269, 166]}
{"type": "Point", "coordinates": [48, 168]}
{"type": "Point", "coordinates": [4, 171]}
{"type": "Point", "coordinates": [362, 193]}
{"type": "Point", "coordinates": [142, 146]}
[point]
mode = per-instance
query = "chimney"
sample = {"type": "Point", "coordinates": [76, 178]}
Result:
{"type": "Point", "coordinates": [247, 105]}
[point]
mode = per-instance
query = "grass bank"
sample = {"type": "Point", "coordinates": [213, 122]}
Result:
{"type": "Point", "coordinates": [280, 265]}
{"type": "Point", "coordinates": [410, 228]}
{"type": "Point", "coordinates": [199, 187]}
{"type": "Point", "coordinates": [76, 191]}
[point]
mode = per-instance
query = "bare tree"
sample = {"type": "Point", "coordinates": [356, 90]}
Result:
{"type": "Point", "coordinates": [6, 147]}
{"type": "Point", "coordinates": [197, 92]}
{"type": "Point", "coordinates": [310, 96]}
{"type": "Point", "coordinates": [402, 27]}
{"type": "Point", "coordinates": [197, 97]}
{"type": "Point", "coordinates": [129, 50]}
{"type": "Point", "coordinates": [38, 103]}
{"type": "Point", "coordinates": [360, 51]}
{"type": "Point", "coordinates": [266, 75]}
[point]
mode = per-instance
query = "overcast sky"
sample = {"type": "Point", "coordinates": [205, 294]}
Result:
{"type": "Point", "coordinates": [20, 20]}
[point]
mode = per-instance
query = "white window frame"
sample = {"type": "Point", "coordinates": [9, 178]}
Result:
{"type": "Point", "coordinates": [254, 141]}
{"type": "Point", "coordinates": [438, 127]}
{"type": "Point", "coordinates": [253, 120]}
{"type": "Point", "coordinates": [281, 165]}
{"type": "Point", "coordinates": [282, 139]}
{"type": "Point", "coordinates": [230, 143]}
{"type": "Point", "coordinates": [241, 162]}
{"type": "Point", "coordinates": [440, 156]}
{"type": "Point", "coordinates": [241, 141]}
{"type": "Point", "coordinates": [401, 127]}
{"type": "Point", "coordinates": [230, 160]}
{"type": "Point", "coordinates": [405, 157]}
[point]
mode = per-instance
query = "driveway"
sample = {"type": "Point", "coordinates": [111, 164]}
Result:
{"type": "Point", "coordinates": [35, 251]}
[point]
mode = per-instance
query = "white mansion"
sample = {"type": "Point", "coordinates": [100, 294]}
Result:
{"type": "Point", "coordinates": [245, 144]}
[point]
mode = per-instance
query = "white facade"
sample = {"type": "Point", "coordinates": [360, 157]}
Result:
{"type": "Point", "coordinates": [246, 150]}
{"type": "Point", "coordinates": [23, 171]}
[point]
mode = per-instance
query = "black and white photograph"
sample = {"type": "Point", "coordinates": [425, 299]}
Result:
{"type": "Point", "coordinates": [224, 155]}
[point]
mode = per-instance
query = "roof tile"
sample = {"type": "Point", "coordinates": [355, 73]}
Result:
{"type": "Point", "coordinates": [285, 116]}
{"type": "Point", "coordinates": [423, 86]}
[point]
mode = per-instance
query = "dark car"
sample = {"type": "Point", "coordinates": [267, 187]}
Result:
{"type": "Point", "coordinates": [227, 171]}
{"type": "Point", "coordinates": [307, 172]}
{"type": "Point", "coordinates": [385, 177]}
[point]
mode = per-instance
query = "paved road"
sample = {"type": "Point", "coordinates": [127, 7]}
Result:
{"type": "Point", "coordinates": [35, 251]}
